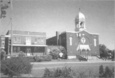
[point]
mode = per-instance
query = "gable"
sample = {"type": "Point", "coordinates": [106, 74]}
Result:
{"type": "Point", "coordinates": [88, 33]}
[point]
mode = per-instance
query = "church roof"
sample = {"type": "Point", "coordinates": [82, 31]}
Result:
{"type": "Point", "coordinates": [79, 32]}
{"type": "Point", "coordinates": [80, 16]}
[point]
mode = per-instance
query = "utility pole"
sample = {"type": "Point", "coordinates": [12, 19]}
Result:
{"type": "Point", "coordinates": [11, 26]}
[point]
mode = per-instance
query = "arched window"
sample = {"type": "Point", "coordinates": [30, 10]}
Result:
{"type": "Point", "coordinates": [70, 39]}
{"type": "Point", "coordinates": [95, 42]}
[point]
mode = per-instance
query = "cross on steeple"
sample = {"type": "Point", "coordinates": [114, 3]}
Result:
{"type": "Point", "coordinates": [79, 9]}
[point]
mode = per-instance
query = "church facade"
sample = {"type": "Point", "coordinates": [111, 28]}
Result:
{"type": "Point", "coordinates": [78, 42]}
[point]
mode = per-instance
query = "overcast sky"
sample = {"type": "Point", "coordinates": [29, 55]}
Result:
{"type": "Point", "coordinates": [58, 15]}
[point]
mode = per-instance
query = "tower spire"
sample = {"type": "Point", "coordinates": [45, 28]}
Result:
{"type": "Point", "coordinates": [80, 21]}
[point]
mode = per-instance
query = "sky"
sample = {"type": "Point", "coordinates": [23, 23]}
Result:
{"type": "Point", "coordinates": [59, 15]}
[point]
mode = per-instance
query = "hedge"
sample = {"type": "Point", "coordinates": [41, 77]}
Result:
{"type": "Point", "coordinates": [15, 66]}
{"type": "Point", "coordinates": [42, 58]}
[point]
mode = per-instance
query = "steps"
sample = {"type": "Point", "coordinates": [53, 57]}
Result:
{"type": "Point", "coordinates": [81, 58]}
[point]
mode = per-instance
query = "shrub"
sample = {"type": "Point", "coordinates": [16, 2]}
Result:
{"type": "Point", "coordinates": [15, 66]}
{"type": "Point", "coordinates": [82, 75]}
{"type": "Point", "coordinates": [55, 54]}
{"type": "Point", "coordinates": [37, 59]}
{"type": "Point", "coordinates": [30, 59]}
{"type": "Point", "coordinates": [48, 73]}
{"type": "Point", "coordinates": [108, 73]}
{"type": "Point", "coordinates": [21, 54]}
{"type": "Point", "coordinates": [55, 50]}
{"type": "Point", "coordinates": [101, 71]}
{"type": "Point", "coordinates": [2, 55]}
{"type": "Point", "coordinates": [63, 50]}
{"type": "Point", "coordinates": [47, 57]}
{"type": "Point", "coordinates": [43, 58]}
{"type": "Point", "coordinates": [58, 73]}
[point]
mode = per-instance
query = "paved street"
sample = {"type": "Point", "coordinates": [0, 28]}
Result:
{"type": "Point", "coordinates": [43, 65]}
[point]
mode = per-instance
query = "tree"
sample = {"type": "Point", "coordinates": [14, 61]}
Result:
{"type": "Point", "coordinates": [3, 8]}
{"type": "Point", "coordinates": [113, 55]}
{"type": "Point", "coordinates": [103, 51]}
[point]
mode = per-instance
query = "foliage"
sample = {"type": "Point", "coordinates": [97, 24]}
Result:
{"type": "Point", "coordinates": [15, 66]}
{"type": "Point", "coordinates": [103, 51]}
{"type": "Point", "coordinates": [69, 73]}
{"type": "Point", "coordinates": [101, 71]}
{"type": "Point", "coordinates": [55, 50]}
{"type": "Point", "coordinates": [108, 73]}
{"type": "Point", "coordinates": [59, 73]}
{"type": "Point", "coordinates": [112, 54]}
{"type": "Point", "coordinates": [21, 54]}
{"type": "Point", "coordinates": [82, 75]}
{"type": "Point", "coordinates": [2, 55]}
{"type": "Point", "coordinates": [30, 59]}
{"type": "Point", "coordinates": [43, 58]}
{"type": "Point", "coordinates": [55, 54]}
{"type": "Point", "coordinates": [63, 50]}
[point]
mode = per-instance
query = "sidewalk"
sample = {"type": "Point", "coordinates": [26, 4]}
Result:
{"type": "Point", "coordinates": [72, 61]}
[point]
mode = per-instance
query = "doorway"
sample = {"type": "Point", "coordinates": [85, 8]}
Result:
{"type": "Point", "coordinates": [28, 51]}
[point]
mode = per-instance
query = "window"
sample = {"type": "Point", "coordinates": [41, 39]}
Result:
{"type": "Point", "coordinates": [35, 49]}
{"type": "Point", "coordinates": [18, 49]}
{"type": "Point", "coordinates": [81, 24]}
{"type": "Point", "coordinates": [83, 34]}
{"type": "Point", "coordinates": [95, 42]}
{"type": "Point", "coordinates": [83, 40]}
{"type": "Point", "coordinates": [39, 49]}
{"type": "Point", "coordinates": [14, 49]}
{"type": "Point", "coordinates": [70, 41]}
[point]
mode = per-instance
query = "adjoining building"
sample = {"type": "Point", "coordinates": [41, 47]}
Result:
{"type": "Point", "coordinates": [31, 43]}
{"type": "Point", "coordinates": [2, 42]}
{"type": "Point", "coordinates": [79, 42]}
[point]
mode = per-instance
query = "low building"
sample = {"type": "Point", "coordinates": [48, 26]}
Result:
{"type": "Point", "coordinates": [31, 43]}
{"type": "Point", "coordinates": [2, 42]}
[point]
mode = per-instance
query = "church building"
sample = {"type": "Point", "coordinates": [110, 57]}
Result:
{"type": "Point", "coordinates": [79, 42]}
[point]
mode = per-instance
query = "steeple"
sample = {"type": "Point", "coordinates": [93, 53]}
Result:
{"type": "Point", "coordinates": [80, 21]}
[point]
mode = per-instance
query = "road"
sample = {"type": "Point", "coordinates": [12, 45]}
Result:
{"type": "Point", "coordinates": [43, 65]}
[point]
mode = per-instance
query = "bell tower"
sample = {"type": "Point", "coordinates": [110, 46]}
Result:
{"type": "Point", "coordinates": [80, 22]}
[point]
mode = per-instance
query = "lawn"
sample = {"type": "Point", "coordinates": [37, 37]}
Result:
{"type": "Point", "coordinates": [93, 67]}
